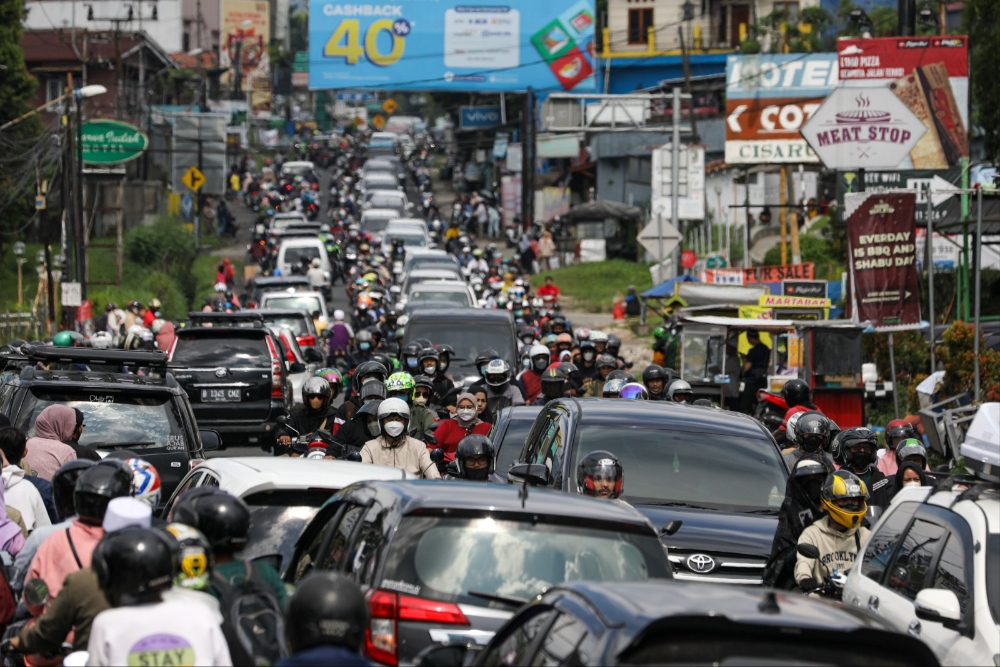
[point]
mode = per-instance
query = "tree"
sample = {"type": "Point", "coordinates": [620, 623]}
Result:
{"type": "Point", "coordinates": [982, 23]}
{"type": "Point", "coordinates": [884, 19]}
{"type": "Point", "coordinates": [298, 25]}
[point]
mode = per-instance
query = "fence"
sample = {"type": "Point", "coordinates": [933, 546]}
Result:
{"type": "Point", "coordinates": [22, 326]}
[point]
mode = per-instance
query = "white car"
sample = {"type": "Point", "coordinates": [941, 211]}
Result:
{"type": "Point", "coordinates": [311, 302]}
{"type": "Point", "coordinates": [931, 567]}
{"type": "Point", "coordinates": [440, 292]}
{"type": "Point", "coordinates": [283, 494]}
{"type": "Point", "coordinates": [297, 380]}
{"type": "Point", "coordinates": [300, 251]}
{"type": "Point", "coordinates": [412, 231]}
{"type": "Point", "coordinates": [297, 168]}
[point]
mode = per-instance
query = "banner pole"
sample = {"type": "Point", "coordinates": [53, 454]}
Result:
{"type": "Point", "coordinates": [929, 252]}
{"type": "Point", "coordinates": [977, 252]}
{"type": "Point", "coordinates": [892, 368]}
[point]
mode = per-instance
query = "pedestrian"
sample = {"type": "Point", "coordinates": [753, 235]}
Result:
{"type": "Point", "coordinates": [633, 307]}
{"type": "Point", "coordinates": [755, 365]}
{"type": "Point", "coordinates": [48, 449]}
{"type": "Point", "coordinates": [234, 184]}
{"type": "Point", "coordinates": [494, 221]}
{"type": "Point", "coordinates": [733, 371]}
{"type": "Point", "coordinates": [546, 250]}
{"type": "Point", "coordinates": [526, 256]}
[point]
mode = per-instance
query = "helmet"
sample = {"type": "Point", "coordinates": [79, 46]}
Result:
{"type": "Point", "coordinates": [315, 263]}
{"type": "Point", "coordinates": [410, 356]}
{"type": "Point", "coordinates": [911, 447]}
{"type": "Point", "coordinates": [634, 390]}
{"type": "Point", "coordinates": [582, 334]}
{"type": "Point", "coordinates": [109, 306]}
{"type": "Point", "coordinates": [497, 373]}
{"type": "Point", "coordinates": [154, 304]}
{"type": "Point", "coordinates": [194, 557]}
{"type": "Point", "coordinates": [484, 357]}
{"type": "Point", "coordinates": [333, 378]}
{"type": "Point", "coordinates": [660, 332]}
{"type": "Point", "coordinates": [63, 484]}
{"type": "Point", "coordinates": [399, 383]}
{"type": "Point", "coordinates": [145, 481]}
{"type": "Point", "coordinates": [898, 430]}
{"type": "Point", "coordinates": [549, 339]}
{"type": "Point", "coordinates": [369, 368]}
{"type": "Point", "coordinates": [542, 353]}
{"type": "Point", "coordinates": [598, 337]}
{"type": "Point", "coordinates": [795, 392]}
{"type": "Point", "coordinates": [133, 565]}
{"type": "Point", "coordinates": [134, 307]}
{"type": "Point", "coordinates": [369, 389]}
{"type": "Point", "coordinates": [680, 388]}
{"type": "Point", "coordinates": [553, 376]}
{"type": "Point", "coordinates": [606, 361]}
{"type": "Point", "coordinates": [472, 446]}
{"type": "Point", "coordinates": [315, 386]}
{"type": "Point", "coordinates": [63, 339]}
{"type": "Point", "coordinates": [327, 608]}
{"type": "Point", "coordinates": [393, 407]}
{"type": "Point", "coordinates": [383, 359]}
{"type": "Point", "coordinates": [564, 339]}
{"type": "Point", "coordinates": [423, 381]}
{"type": "Point", "coordinates": [614, 343]}
{"type": "Point", "coordinates": [596, 467]}
{"type": "Point", "coordinates": [221, 517]}
{"type": "Point", "coordinates": [364, 340]}
{"type": "Point", "coordinates": [613, 388]}
{"type": "Point", "coordinates": [842, 486]}
{"type": "Point", "coordinates": [852, 437]}
{"type": "Point", "coordinates": [428, 354]}
{"type": "Point", "coordinates": [96, 487]}
{"type": "Point", "coordinates": [807, 466]}
{"type": "Point", "coordinates": [812, 431]}
{"type": "Point", "coordinates": [570, 372]}
{"type": "Point", "coordinates": [101, 340]}
{"type": "Point", "coordinates": [654, 372]}
{"type": "Point", "coordinates": [526, 334]}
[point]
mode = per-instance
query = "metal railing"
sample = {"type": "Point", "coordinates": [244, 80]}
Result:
{"type": "Point", "coordinates": [24, 326]}
{"type": "Point", "coordinates": [661, 40]}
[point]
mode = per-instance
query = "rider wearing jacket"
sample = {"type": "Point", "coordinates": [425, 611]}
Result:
{"type": "Point", "coordinates": [796, 395]}
{"type": "Point", "coordinates": [313, 415]}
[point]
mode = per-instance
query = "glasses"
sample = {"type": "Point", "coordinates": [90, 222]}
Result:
{"type": "Point", "coordinates": [422, 394]}
{"type": "Point", "coordinates": [316, 396]}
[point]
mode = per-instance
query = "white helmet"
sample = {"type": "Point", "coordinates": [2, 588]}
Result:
{"type": "Point", "coordinates": [393, 406]}
{"type": "Point", "coordinates": [101, 340]}
{"type": "Point", "coordinates": [220, 287]}
{"type": "Point", "coordinates": [338, 315]}
{"type": "Point", "coordinates": [679, 387]}
{"type": "Point", "coordinates": [157, 325]}
{"type": "Point", "coordinates": [315, 262]}
{"type": "Point", "coordinates": [497, 373]}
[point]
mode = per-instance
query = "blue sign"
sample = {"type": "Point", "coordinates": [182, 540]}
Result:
{"type": "Point", "coordinates": [479, 118]}
{"type": "Point", "coordinates": [353, 97]}
{"type": "Point", "coordinates": [450, 45]}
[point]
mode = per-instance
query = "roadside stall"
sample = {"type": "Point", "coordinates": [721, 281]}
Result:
{"type": "Point", "coordinates": [604, 230]}
{"type": "Point", "coordinates": [826, 354]}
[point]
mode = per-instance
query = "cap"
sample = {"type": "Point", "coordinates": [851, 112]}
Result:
{"type": "Point", "coordinates": [127, 511]}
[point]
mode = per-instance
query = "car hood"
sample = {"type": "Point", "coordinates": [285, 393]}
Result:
{"type": "Point", "coordinates": [712, 531]}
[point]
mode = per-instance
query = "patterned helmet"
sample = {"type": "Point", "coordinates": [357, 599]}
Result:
{"type": "Point", "coordinates": [145, 481]}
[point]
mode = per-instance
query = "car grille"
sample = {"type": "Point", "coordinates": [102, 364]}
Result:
{"type": "Point", "coordinates": [720, 568]}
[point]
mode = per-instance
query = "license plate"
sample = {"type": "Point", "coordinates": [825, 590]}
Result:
{"type": "Point", "coordinates": [220, 395]}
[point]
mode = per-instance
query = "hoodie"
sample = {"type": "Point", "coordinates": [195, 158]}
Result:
{"type": "Point", "coordinates": [836, 550]}
{"type": "Point", "coordinates": [25, 498]}
{"type": "Point", "coordinates": [47, 451]}
{"type": "Point", "coordinates": [165, 337]}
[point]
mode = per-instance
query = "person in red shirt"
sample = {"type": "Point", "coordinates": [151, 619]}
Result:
{"type": "Point", "coordinates": [464, 422]}
{"type": "Point", "coordinates": [549, 291]}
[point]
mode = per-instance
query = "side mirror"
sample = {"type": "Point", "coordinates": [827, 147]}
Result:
{"type": "Point", "coordinates": [939, 605]}
{"type": "Point", "coordinates": [296, 367]}
{"type": "Point", "coordinates": [534, 474]}
{"type": "Point", "coordinates": [807, 550]}
{"type": "Point", "coordinates": [274, 560]}
{"type": "Point", "coordinates": [312, 355]}
{"type": "Point", "coordinates": [442, 655]}
{"type": "Point", "coordinates": [282, 419]}
{"type": "Point", "coordinates": [437, 456]}
{"type": "Point", "coordinates": [354, 457]}
{"type": "Point", "coordinates": [671, 527]}
{"type": "Point", "coordinates": [210, 440]}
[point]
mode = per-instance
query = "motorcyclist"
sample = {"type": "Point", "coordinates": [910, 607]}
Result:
{"type": "Point", "coordinates": [680, 392]}
{"type": "Point", "coordinates": [812, 432]}
{"type": "Point", "coordinates": [390, 319]}
{"type": "Point", "coordinates": [612, 388]}
{"type": "Point", "coordinates": [655, 378]}
{"type": "Point", "coordinates": [500, 392]}
{"type": "Point", "coordinates": [474, 461]}
{"type": "Point", "coordinates": [600, 475]}
{"type": "Point", "coordinates": [316, 275]}
{"type": "Point", "coordinates": [896, 432]}
{"type": "Point", "coordinates": [325, 623]}
{"type": "Point", "coordinates": [409, 357]}
{"type": "Point", "coordinates": [857, 447]}
{"type": "Point", "coordinates": [443, 383]}
{"type": "Point", "coordinates": [529, 380]}
{"type": "Point", "coordinates": [393, 447]}
{"type": "Point", "coordinates": [421, 425]}
{"type": "Point", "coordinates": [797, 395]}
{"type": "Point", "coordinates": [553, 384]}
{"type": "Point", "coordinates": [363, 426]}
{"type": "Point", "coordinates": [588, 362]}
{"type": "Point", "coordinates": [364, 349]}
{"type": "Point", "coordinates": [334, 379]}
{"type": "Point", "coordinates": [606, 364]}
{"type": "Point", "coordinates": [798, 510]}
{"type": "Point", "coordinates": [315, 413]}
{"type": "Point", "coordinates": [838, 535]}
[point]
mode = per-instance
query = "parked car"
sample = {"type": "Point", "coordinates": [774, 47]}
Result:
{"type": "Point", "coordinates": [149, 414]}
{"type": "Point", "coordinates": [721, 473]}
{"type": "Point", "coordinates": [509, 432]}
{"type": "Point", "coordinates": [452, 561]}
{"type": "Point", "coordinates": [284, 495]}
{"type": "Point", "coordinates": [666, 623]}
{"type": "Point", "coordinates": [468, 331]}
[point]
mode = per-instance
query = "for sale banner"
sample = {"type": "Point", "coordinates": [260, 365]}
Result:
{"type": "Point", "coordinates": [754, 275]}
{"type": "Point", "coordinates": [881, 238]}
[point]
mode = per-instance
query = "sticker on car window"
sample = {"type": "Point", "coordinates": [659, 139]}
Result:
{"type": "Point", "coordinates": [101, 399]}
{"type": "Point", "coordinates": [176, 443]}
{"type": "Point", "coordinates": [401, 586]}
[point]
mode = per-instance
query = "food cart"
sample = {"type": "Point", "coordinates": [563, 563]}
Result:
{"type": "Point", "coordinates": [824, 353]}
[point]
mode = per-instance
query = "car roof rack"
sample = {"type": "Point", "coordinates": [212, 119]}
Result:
{"type": "Point", "coordinates": [87, 355]}
{"type": "Point", "coordinates": [197, 318]}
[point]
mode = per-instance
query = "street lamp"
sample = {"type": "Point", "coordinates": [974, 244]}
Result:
{"type": "Point", "coordinates": [84, 92]}
{"type": "Point", "coordinates": [19, 253]}
{"type": "Point", "coordinates": [79, 255]}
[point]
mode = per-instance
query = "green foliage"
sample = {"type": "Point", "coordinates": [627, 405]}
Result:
{"type": "Point", "coordinates": [802, 37]}
{"type": "Point", "coordinates": [819, 251]}
{"type": "Point", "coordinates": [593, 286]}
{"type": "Point", "coordinates": [982, 23]}
{"type": "Point", "coordinates": [163, 246]}
{"type": "Point", "coordinates": [957, 356]}
{"type": "Point", "coordinates": [912, 362]}
{"type": "Point", "coordinates": [298, 26]}
{"type": "Point", "coordinates": [884, 18]}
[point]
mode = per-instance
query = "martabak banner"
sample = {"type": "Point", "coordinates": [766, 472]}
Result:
{"type": "Point", "coordinates": [478, 46]}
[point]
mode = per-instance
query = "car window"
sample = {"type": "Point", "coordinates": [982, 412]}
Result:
{"type": "Point", "coordinates": [951, 573]}
{"type": "Point", "coordinates": [189, 483]}
{"type": "Point", "coordinates": [567, 642]}
{"type": "Point", "coordinates": [467, 339]}
{"type": "Point", "coordinates": [336, 553]}
{"type": "Point", "coordinates": [549, 442]}
{"type": "Point", "coordinates": [278, 517]}
{"type": "Point", "coordinates": [373, 223]}
{"type": "Point", "coordinates": [309, 304]}
{"type": "Point", "coordinates": [296, 254]}
{"type": "Point", "coordinates": [513, 440]}
{"type": "Point", "coordinates": [993, 575]}
{"type": "Point", "coordinates": [458, 298]}
{"type": "Point", "coordinates": [910, 570]}
{"type": "Point", "coordinates": [516, 645]}
{"type": "Point", "coordinates": [298, 325]}
{"type": "Point", "coordinates": [883, 542]}
{"type": "Point", "coordinates": [368, 546]}
{"type": "Point", "coordinates": [225, 350]}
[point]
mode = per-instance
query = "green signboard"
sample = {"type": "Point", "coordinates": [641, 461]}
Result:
{"type": "Point", "coordinates": [111, 142]}
{"type": "Point", "coordinates": [301, 62]}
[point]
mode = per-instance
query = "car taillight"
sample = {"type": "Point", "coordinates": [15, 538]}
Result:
{"type": "Point", "coordinates": [387, 608]}
{"type": "Point", "coordinates": [306, 341]}
{"type": "Point", "coordinates": [277, 381]}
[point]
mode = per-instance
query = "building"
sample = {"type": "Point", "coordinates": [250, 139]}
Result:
{"type": "Point", "coordinates": [160, 20]}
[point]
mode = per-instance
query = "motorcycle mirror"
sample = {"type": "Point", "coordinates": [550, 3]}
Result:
{"type": "Point", "coordinates": [671, 527]}
{"type": "Point", "coordinates": [437, 456]}
{"type": "Point", "coordinates": [807, 550]}
{"type": "Point", "coordinates": [282, 419]}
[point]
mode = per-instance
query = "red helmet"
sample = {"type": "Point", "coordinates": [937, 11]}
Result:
{"type": "Point", "coordinates": [897, 431]}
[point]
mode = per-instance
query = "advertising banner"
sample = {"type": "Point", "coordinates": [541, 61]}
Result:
{"type": "Point", "coordinates": [881, 248]}
{"type": "Point", "coordinates": [930, 76]}
{"type": "Point", "coordinates": [944, 206]}
{"type": "Point", "coordinates": [510, 197]}
{"type": "Point", "coordinates": [451, 45]}
{"type": "Point", "coordinates": [768, 100]}
{"type": "Point", "coordinates": [691, 173]}
{"type": "Point", "coordinates": [760, 274]}
{"type": "Point", "coordinates": [479, 118]}
{"type": "Point", "coordinates": [246, 33]}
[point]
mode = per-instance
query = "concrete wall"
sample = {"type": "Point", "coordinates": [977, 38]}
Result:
{"type": "Point", "coordinates": [55, 14]}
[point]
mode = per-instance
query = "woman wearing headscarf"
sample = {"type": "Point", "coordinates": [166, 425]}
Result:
{"type": "Point", "coordinates": [11, 534]}
{"type": "Point", "coordinates": [908, 474]}
{"type": "Point", "coordinates": [164, 332]}
{"type": "Point", "coordinates": [465, 422]}
{"type": "Point", "coordinates": [48, 450]}
{"type": "Point", "coordinates": [526, 256]}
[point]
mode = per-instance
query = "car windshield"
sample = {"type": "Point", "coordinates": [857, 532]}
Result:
{"type": "Point", "coordinates": [410, 240]}
{"type": "Point", "coordinates": [381, 142]}
{"type": "Point", "coordinates": [297, 325]}
{"type": "Point", "coordinates": [447, 558]}
{"type": "Point", "coordinates": [285, 223]}
{"type": "Point", "coordinates": [113, 418]}
{"type": "Point", "coordinates": [295, 255]}
{"type": "Point", "coordinates": [460, 298]}
{"type": "Point", "coordinates": [662, 466]}
{"type": "Point", "coordinates": [220, 350]}
{"type": "Point", "coordinates": [466, 338]}
{"type": "Point", "coordinates": [277, 518]}
{"type": "Point", "coordinates": [372, 223]}
{"type": "Point", "coordinates": [429, 262]}
{"type": "Point", "coordinates": [309, 304]}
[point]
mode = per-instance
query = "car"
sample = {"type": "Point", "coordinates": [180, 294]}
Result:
{"type": "Point", "coordinates": [149, 414]}
{"type": "Point", "coordinates": [390, 199]}
{"type": "Point", "coordinates": [297, 168]}
{"type": "Point", "coordinates": [452, 291]}
{"type": "Point", "coordinates": [374, 220]}
{"type": "Point", "coordinates": [294, 356]}
{"type": "Point", "coordinates": [719, 472]}
{"type": "Point", "coordinates": [468, 331]}
{"type": "Point", "coordinates": [670, 622]}
{"type": "Point", "coordinates": [386, 165]}
{"type": "Point", "coordinates": [235, 376]}
{"type": "Point", "coordinates": [412, 231]}
{"type": "Point", "coordinates": [282, 219]}
{"type": "Point", "coordinates": [429, 258]}
{"type": "Point", "coordinates": [300, 252]}
{"type": "Point", "coordinates": [309, 301]}
{"type": "Point", "coordinates": [379, 182]}
{"type": "Point", "coordinates": [508, 434]}
{"type": "Point", "coordinates": [436, 273]}
{"type": "Point", "coordinates": [283, 493]}
{"type": "Point", "coordinates": [261, 284]}
{"type": "Point", "coordinates": [443, 561]}
{"type": "Point", "coordinates": [301, 326]}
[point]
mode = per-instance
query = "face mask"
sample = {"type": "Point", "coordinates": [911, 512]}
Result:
{"type": "Point", "coordinates": [420, 400]}
{"type": "Point", "coordinates": [466, 414]}
{"type": "Point", "coordinates": [526, 363]}
{"type": "Point", "coordinates": [443, 366]}
{"type": "Point", "coordinates": [811, 445]}
{"type": "Point", "coordinates": [518, 313]}
{"type": "Point", "coordinates": [364, 346]}
{"type": "Point", "coordinates": [541, 364]}
{"type": "Point", "coordinates": [913, 483]}
{"type": "Point", "coordinates": [477, 474]}
{"type": "Point", "coordinates": [430, 370]}
{"type": "Point", "coordinates": [394, 429]}
{"type": "Point", "coordinates": [588, 356]}
{"type": "Point", "coordinates": [861, 459]}
{"type": "Point", "coordinates": [373, 429]}
{"type": "Point", "coordinates": [411, 362]}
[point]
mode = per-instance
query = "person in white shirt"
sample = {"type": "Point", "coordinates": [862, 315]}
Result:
{"type": "Point", "coordinates": [20, 494]}
{"type": "Point", "coordinates": [194, 575]}
{"type": "Point", "coordinates": [134, 567]}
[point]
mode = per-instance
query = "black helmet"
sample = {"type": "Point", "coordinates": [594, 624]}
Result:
{"type": "Point", "coordinates": [363, 336]}
{"type": "Point", "coordinates": [606, 361]}
{"type": "Point", "coordinates": [446, 352]}
{"type": "Point", "coordinates": [470, 446]}
{"type": "Point", "coordinates": [134, 565]}
{"type": "Point", "coordinates": [428, 354]}
{"type": "Point", "coordinates": [654, 372]}
{"type": "Point", "coordinates": [853, 437]}
{"type": "Point", "coordinates": [369, 368]}
{"type": "Point", "coordinates": [795, 392]}
{"type": "Point", "coordinates": [316, 386]}
{"type": "Point", "coordinates": [384, 359]}
{"type": "Point", "coordinates": [485, 357]}
{"type": "Point", "coordinates": [410, 357]}
{"type": "Point", "coordinates": [570, 372]}
{"type": "Point", "coordinates": [812, 431]}
{"type": "Point", "coordinates": [327, 608]}
{"type": "Point", "coordinates": [614, 344]}
{"type": "Point", "coordinates": [597, 466]}
{"type": "Point", "coordinates": [97, 486]}
{"type": "Point", "coordinates": [221, 517]}
{"type": "Point", "coordinates": [64, 483]}
{"type": "Point", "coordinates": [421, 343]}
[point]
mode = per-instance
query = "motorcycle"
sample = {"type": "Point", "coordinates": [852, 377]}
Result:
{"type": "Point", "coordinates": [770, 409]}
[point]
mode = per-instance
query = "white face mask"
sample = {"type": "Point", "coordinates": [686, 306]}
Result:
{"type": "Point", "coordinates": [394, 429]}
{"type": "Point", "coordinates": [913, 483]}
{"type": "Point", "coordinates": [466, 414]}
{"type": "Point", "coordinates": [420, 400]}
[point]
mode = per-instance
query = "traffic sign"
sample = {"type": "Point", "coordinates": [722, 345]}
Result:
{"type": "Point", "coordinates": [715, 262]}
{"type": "Point", "coordinates": [377, 121]}
{"type": "Point", "coordinates": [390, 106]}
{"type": "Point", "coordinates": [71, 295]}
{"type": "Point", "coordinates": [650, 239]}
{"type": "Point", "coordinates": [193, 178]}
{"type": "Point", "coordinates": [688, 259]}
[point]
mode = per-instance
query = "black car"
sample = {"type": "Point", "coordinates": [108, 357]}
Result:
{"type": "Point", "coordinates": [468, 331]}
{"type": "Point", "coordinates": [665, 623]}
{"type": "Point", "coordinates": [235, 373]}
{"type": "Point", "coordinates": [509, 433]}
{"type": "Point", "coordinates": [451, 561]}
{"type": "Point", "coordinates": [148, 414]}
{"type": "Point", "coordinates": [721, 473]}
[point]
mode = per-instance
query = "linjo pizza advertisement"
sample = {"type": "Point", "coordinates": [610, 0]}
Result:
{"type": "Point", "coordinates": [930, 76]}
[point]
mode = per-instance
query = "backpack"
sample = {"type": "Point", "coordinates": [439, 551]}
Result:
{"type": "Point", "coordinates": [252, 621]}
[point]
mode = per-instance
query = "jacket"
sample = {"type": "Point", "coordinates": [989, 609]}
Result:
{"type": "Point", "coordinates": [530, 383]}
{"type": "Point", "coordinates": [22, 495]}
{"type": "Point", "coordinates": [30, 548]}
{"type": "Point", "coordinates": [55, 560]}
{"type": "Point", "coordinates": [450, 433]}
{"type": "Point", "coordinates": [320, 656]}
{"type": "Point", "coordinates": [836, 550]}
{"type": "Point", "coordinates": [47, 451]}
{"type": "Point", "coordinates": [79, 602]}
{"type": "Point", "coordinates": [307, 421]}
{"type": "Point", "coordinates": [421, 422]}
{"type": "Point", "coordinates": [497, 401]}
{"type": "Point", "coordinates": [410, 454]}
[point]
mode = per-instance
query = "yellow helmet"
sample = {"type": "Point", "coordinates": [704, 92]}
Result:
{"type": "Point", "coordinates": [844, 485]}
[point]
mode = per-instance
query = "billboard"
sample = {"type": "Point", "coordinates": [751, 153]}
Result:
{"type": "Point", "coordinates": [246, 34]}
{"type": "Point", "coordinates": [450, 45]}
{"type": "Point", "coordinates": [691, 189]}
{"type": "Point", "coordinates": [769, 98]}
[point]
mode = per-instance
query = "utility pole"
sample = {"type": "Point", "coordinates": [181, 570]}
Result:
{"type": "Point", "coordinates": [675, 161]}
{"type": "Point", "coordinates": [929, 259]}
{"type": "Point", "coordinates": [783, 216]}
{"type": "Point", "coordinates": [794, 218]}
{"type": "Point", "coordinates": [528, 163]}
{"type": "Point", "coordinates": [907, 18]}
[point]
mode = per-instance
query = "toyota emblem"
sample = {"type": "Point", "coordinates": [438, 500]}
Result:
{"type": "Point", "coordinates": [701, 563]}
{"type": "Point", "coordinates": [220, 372]}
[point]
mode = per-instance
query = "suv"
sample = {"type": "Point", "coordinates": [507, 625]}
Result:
{"type": "Point", "coordinates": [721, 474]}
{"type": "Point", "coordinates": [148, 414]}
{"type": "Point", "coordinates": [467, 330]}
{"type": "Point", "coordinates": [308, 301]}
{"type": "Point", "coordinates": [301, 326]}
{"type": "Point", "coordinates": [261, 284]}
{"type": "Point", "coordinates": [452, 561]}
{"type": "Point", "coordinates": [236, 377]}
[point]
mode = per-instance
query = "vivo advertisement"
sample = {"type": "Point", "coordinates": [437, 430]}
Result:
{"type": "Point", "coordinates": [444, 45]}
